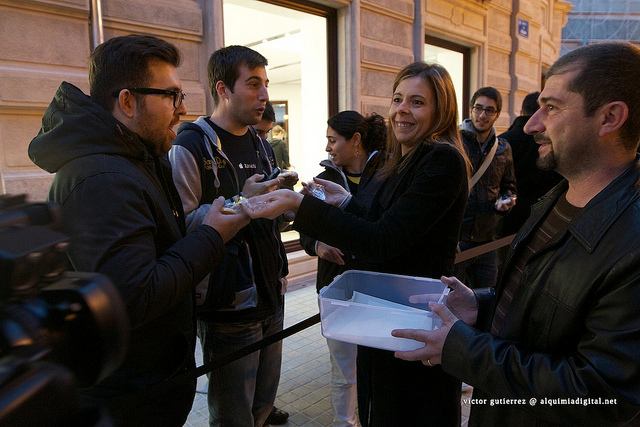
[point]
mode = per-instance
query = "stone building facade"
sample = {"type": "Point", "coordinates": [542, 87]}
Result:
{"type": "Point", "coordinates": [508, 44]}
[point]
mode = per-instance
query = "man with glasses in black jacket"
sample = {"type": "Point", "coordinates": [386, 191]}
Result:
{"type": "Point", "coordinates": [494, 191]}
{"type": "Point", "coordinates": [125, 219]}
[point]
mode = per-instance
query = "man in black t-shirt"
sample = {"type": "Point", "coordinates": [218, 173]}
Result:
{"type": "Point", "coordinates": [242, 302]}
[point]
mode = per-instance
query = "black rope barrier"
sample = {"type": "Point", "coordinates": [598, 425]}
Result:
{"type": "Point", "coordinates": [130, 400]}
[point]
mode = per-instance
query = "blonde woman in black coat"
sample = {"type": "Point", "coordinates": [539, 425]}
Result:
{"type": "Point", "coordinates": [411, 229]}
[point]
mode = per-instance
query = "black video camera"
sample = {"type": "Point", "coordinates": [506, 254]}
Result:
{"type": "Point", "coordinates": [59, 331]}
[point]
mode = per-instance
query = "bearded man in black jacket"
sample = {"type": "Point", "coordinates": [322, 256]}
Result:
{"type": "Point", "coordinates": [533, 182]}
{"type": "Point", "coordinates": [125, 219]}
{"type": "Point", "coordinates": [562, 327]}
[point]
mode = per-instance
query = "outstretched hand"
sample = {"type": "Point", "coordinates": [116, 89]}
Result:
{"type": "Point", "coordinates": [226, 224]}
{"type": "Point", "coordinates": [334, 193]}
{"type": "Point", "coordinates": [431, 353]}
{"type": "Point", "coordinates": [272, 204]}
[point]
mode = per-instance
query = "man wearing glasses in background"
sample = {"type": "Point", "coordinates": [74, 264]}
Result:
{"type": "Point", "coordinates": [125, 219]}
{"type": "Point", "coordinates": [494, 191]}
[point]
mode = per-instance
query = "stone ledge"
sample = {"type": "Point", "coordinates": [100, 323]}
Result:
{"type": "Point", "coordinates": [302, 269]}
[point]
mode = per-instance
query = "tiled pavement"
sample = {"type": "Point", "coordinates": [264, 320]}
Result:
{"type": "Point", "coordinates": [304, 383]}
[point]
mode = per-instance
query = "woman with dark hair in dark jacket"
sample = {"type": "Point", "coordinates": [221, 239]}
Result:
{"type": "Point", "coordinates": [356, 151]}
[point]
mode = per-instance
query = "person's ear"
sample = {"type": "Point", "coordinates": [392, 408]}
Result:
{"type": "Point", "coordinates": [222, 89]}
{"type": "Point", "coordinates": [357, 139]}
{"type": "Point", "coordinates": [126, 103]}
{"type": "Point", "coordinates": [613, 116]}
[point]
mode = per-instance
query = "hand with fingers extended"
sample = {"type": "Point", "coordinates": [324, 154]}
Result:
{"type": "Point", "coordinates": [273, 204]}
{"type": "Point", "coordinates": [431, 353]}
{"type": "Point", "coordinates": [253, 186]}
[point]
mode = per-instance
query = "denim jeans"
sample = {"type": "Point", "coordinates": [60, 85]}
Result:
{"type": "Point", "coordinates": [478, 272]}
{"type": "Point", "coordinates": [241, 394]}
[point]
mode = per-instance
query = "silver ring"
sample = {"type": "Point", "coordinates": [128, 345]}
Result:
{"type": "Point", "coordinates": [429, 362]}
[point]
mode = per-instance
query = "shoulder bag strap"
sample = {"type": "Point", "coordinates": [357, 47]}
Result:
{"type": "Point", "coordinates": [485, 165]}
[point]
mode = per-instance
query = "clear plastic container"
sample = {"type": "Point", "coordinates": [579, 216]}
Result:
{"type": "Point", "coordinates": [363, 308]}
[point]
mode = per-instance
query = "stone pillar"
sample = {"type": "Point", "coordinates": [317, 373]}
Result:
{"type": "Point", "coordinates": [386, 43]}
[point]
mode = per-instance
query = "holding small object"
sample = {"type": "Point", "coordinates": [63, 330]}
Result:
{"type": "Point", "coordinates": [272, 175]}
{"type": "Point", "coordinates": [506, 202]}
{"type": "Point", "coordinates": [290, 178]}
{"type": "Point", "coordinates": [316, 190]}
{"type": "Point", "coordinates": [232, 206]}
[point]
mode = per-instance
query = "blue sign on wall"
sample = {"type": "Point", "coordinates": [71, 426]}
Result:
{"type": "Point", "coordinates": [523, 28]}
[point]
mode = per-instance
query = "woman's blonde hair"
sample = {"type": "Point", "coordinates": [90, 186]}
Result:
{"type": "Point", "coordinates": [277, 130]}
{"type": "Point", "coordinates": [445, 126]}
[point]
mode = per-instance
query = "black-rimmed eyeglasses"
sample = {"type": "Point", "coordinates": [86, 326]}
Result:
{"type": "Point", "coordinates": [178, 95]}
{"type": "Point", "coordinates": [488, 111]}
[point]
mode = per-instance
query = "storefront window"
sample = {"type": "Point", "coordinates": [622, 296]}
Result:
{"type": "Point", "coordinates": [298, 39]}
{"type": "Point", "coordinates": [295, 44]}
{"type": "Point", "coordinates": [455, 59]}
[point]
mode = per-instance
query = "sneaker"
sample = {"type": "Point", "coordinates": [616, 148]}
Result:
{"type": "Point", "coordinates": [277, 417]}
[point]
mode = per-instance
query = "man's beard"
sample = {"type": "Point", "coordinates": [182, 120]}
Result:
{"type": "Point", "coordinates": [154, 138]}
{"type": "Point", "coordinates": [548, 162]}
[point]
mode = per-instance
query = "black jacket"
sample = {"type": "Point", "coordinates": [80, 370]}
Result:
{"type": "Point", "coordinates": [481, 218]}
{"type": "Point", "coordinates": [412, 211]}
{"type": "Point", "coordinates": [366, 191]}
{"type": "Point", "coordinates": [533, 182]}
{"type": "Point", "coordinates": [411, 229]}
{"type": "Point", "coordinates": [573, 328]}
{"type": "Point", "coordinates": [125, 221]}
{"type": "Point", "coordinates": [247, 285]}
